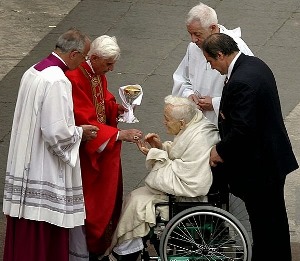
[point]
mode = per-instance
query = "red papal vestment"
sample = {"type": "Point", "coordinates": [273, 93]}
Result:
{"type": "Point", "coordinates": [101, 171]}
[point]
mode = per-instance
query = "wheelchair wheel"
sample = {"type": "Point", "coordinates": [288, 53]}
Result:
{"type": "Point", "coordinates": [238, 209]}
{"type": "Point", "coordinates": [204, 233]}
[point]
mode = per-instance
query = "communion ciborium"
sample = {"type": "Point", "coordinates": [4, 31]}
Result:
{"type": "Point", "coordinates": [131, 93]}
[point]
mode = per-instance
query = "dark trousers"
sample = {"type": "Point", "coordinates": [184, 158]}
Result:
{"type": "Point", "coordinates": [267, 212]}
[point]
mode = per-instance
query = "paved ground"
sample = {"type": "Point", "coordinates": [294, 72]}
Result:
{"type": "Point", "coordinates": [153, 39]}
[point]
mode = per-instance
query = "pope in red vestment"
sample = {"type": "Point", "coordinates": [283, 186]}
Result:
{"type": "Point", "coordinates": [101, 167]}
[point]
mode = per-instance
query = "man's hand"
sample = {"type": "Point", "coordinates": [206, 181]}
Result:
{"type": "Point", "coordinates": [195, 99]}
{"type": "Point", "coordinates": [121, 109]}
{"type": "Point", "coordinates": [205, 103]}
{"type": "Point", "coordinates": [154, 140]}
{"type": "Point", "coordinates": [215, 158]}
{"type": "Point", "coordinates": [131, 135]}
{"type": "Point", "coordinates": [143, 147]}
{"type": "Point", "coordinates": [89, 132]}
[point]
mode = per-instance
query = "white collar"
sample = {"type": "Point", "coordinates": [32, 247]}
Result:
{"type": "Point", "coordinates": [57, 56]}
{"type": "Point", "coordinates": [90, 64]}
{"type": "Point", "coordinates": [232, 64]}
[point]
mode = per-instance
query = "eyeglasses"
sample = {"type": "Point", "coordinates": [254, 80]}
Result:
{"type": "Point", "coordinates": [84, 57]}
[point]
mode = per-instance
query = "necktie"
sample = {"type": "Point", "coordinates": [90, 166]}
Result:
{"type": "Point", "coordinates": [221, 115]}
{"type": "Point", "coordinates": [226, 80]}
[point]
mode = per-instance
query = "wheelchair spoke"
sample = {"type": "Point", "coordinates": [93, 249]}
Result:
{"type": "Point", "coordinates": [204, 235]}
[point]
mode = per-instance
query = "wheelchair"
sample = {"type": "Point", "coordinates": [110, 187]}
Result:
{"type": "Point", "coordinates": [199, 231]}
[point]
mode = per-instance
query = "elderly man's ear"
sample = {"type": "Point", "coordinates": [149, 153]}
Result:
{"type": "Point", "coordinates": [182, 124]}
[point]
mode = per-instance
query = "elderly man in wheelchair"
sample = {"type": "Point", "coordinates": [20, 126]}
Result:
{"type": "Point", "coordinates": [179, 168]}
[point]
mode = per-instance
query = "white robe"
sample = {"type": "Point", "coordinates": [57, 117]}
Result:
{"type": "Point", "coordinates": [181, 168]}
{"type": "Point", "coordinates": [43, 177]}
{"type": "Point", "coordinates": [194, 73]}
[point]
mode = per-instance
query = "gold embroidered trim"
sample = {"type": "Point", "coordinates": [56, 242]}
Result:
{"type": "Point", "coordinates": [97, 92]}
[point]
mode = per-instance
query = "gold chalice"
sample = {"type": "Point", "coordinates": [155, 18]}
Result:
{"type": "Point", "coordinates": [131, 93]}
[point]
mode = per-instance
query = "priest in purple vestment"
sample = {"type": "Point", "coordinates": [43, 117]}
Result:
{"type": "Point", "coordinates": [43, 196]}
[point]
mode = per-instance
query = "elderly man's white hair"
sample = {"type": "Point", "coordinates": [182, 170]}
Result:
{"type": "Point", "coordinates": [106, 47]}
{"type": "Point", "coordinates": [181, 108]}
{"type": "Point", "coordinates": [204, 14]}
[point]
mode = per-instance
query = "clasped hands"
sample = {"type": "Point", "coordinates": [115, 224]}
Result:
{"type": "Point", "coordinates": [204, 103]}
{"type": "Point", "coordinates": [151, 140]}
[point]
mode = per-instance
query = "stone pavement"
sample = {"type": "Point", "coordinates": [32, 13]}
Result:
{"type": "Point", "coordinates": [153, 40]}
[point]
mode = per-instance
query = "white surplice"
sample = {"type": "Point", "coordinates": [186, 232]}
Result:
{"type": "Point", "coordinates": [194, 73]}
{"type": "Point", "coordinates": [43, 177]}
{"type": "Point", "coordinates": [181, 168]}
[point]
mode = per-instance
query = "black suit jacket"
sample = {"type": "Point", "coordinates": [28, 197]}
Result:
{"type": "Point", "coordinates": [254, 142]}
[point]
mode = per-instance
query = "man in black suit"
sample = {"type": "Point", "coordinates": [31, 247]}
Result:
{"type": "Point", "coordinates": [255, 151]}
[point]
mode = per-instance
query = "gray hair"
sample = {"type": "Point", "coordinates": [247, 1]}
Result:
{"type": "Point", "coordinates": [71, 40]}
{"type": "Point", "coordinates": [181, 108]}
{"type": "Point", "coordinates": [204, 14]}
{"type": "Point", "coordinates": [106, 47]}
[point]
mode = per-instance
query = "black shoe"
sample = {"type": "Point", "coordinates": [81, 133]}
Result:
{"type": "Point", "coordinates": [105, 258]}
{"type": "Point", "coordinates": [94, 257]}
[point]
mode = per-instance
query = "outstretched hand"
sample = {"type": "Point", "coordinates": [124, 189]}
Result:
{"type": "Point", "coordinates": [151, 140]}
{"type": "Point", "coordinates": [154, 140]}
{"type": "Point", "coordinates": [130, 135]}
{"type": "Point", "coordinates": [143, 147]}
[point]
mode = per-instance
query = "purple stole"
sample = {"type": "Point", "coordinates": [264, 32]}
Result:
{"type": "Point", "coordinates": [51, 60]}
